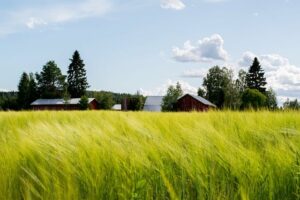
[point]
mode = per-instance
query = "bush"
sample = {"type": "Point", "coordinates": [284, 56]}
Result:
{"type": "Point", "coordinates": [252, 98]}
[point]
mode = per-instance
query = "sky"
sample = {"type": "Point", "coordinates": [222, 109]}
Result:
{"type": "Point", "coordinates": [134, 45]}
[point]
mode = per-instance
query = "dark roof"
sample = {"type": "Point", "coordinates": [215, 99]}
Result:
{"type": "Point", "coordinates": [153, 103]}
{"type": "Point", "coordinates": [200, 99]}
{"type": "Point", "coordinates": [74, 101]}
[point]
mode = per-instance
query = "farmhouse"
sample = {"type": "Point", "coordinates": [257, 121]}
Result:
{"type": "Point", "coordinates": [187, 103]}
{"type": "Point", "coordinates": [153, 103]}
{"type": "Point", "coordinates": [61, 104]}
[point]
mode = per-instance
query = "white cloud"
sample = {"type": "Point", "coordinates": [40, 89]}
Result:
{"type": "Point", "coordinates": [162, 90]}
{"type": "Point", "coordinates": [51, 14]}
{"type": "Point", "coordinates": [172, 4]}
{"type": "Point", "coordinates": [194, 73]}
{"type": "Point", "coordinates": [34, 22]}
{"type": "Point", "coordinates": [206, 50]}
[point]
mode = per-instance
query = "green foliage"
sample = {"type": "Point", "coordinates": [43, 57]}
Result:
{"type": "Point", "coordinates": [27, 91]}
{"type": "Point", "coordinates": [23, 89]}
{"type": "Point", "coordinates": [201, 92]}
{"type": "Point", "coordinates": [116, 155]}
{"type": "Point", "coordinates": [232, 91]}
{"type": "Point", "coordinates": [77, 80]}
{"type": "Point", "coordinates": [241, 82]}
{"type": "Point", "coordinates": [291, 105]}
{"type": "Point", "coordinates": [170, 100]}
{"type": "Point", "coordinates": [9, 101]}
{"type": "Point", "coordinates": [271, 101]}
{"type": "Point", "coordinates": [253, 98]}
{"type": "Point", "coordinates": [135, 103]}
{"type": "Point", "coordinates": [215, 84]}
{"type": "Point", "coordinates": [105, 100]}
{"type": "Point", "coordinates": [51, 83]}
{"type": "Point", "coordinates": [84, 103]}
{"type": "Point", "coordinates": [256, 77]}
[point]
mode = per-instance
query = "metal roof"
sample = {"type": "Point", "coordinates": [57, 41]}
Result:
{"type": "Point", "coordinates": [74, 101]}
{"type": "Point", "coordinates": [153, 103]}
{"type": "Point", "coordinates": [117, 107]}
{"type": "Point", "coordinates": [200, 99]}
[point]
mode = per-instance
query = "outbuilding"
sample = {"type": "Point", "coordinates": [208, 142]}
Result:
{"type": "Point", "coordinates": [61, 104]}
{"type": "Point", "coordinates": [188, 103]}
{"type": "Point", "coordinates": [153, 103]}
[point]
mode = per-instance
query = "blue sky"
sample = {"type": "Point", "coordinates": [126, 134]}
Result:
{"type": "Point", "coordinates": [147, 45]}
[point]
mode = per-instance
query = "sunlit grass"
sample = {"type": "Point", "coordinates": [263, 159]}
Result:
{"type": "Point", "coordinates": [114, 155]}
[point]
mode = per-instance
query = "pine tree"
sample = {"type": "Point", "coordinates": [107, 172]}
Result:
{"type": "Point", "coordinates": [32, 89]}
{"type": "Point", "coordinates": [255, 78]}
{"type": "Point", "coordinates": [77, 80]}
{"type": "Point", "coordinates": [23, 89]}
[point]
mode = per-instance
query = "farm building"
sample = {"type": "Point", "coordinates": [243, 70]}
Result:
{"type": "Point", "coordinates": [61, 104]}
{"type": "Point", "coordinates": [188, 103]}
{"type": "Point", "coordinates": [153, 103]}
{"type": "Point", "coordinates": [117, 107]}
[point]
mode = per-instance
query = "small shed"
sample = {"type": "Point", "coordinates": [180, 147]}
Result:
{"type": "Point", "coordinates": [117, 107]}
{"type": "Point", "coordinates": [61, 104]}
{"type": "Point", "coordinates": [153, 104]}
{"type": "Point", "coordinates": [188, 103]}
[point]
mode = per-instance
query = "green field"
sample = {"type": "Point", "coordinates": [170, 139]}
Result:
{"type": "Point", "coordinates": [114, 155]}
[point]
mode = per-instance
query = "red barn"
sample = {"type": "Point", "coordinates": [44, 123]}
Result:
{"type": "Point", "coordinates": [61, 104]}
{"type": "Point", "coordinates": [188, 103]}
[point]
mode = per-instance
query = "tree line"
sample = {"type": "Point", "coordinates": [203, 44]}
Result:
{"type": "Point", "coordinates": [220, 87]}
{"type": "Point", "coordinates": [50, 83]}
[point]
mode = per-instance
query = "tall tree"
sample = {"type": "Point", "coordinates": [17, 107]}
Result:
{"type": "Point", "coordinates": [232, 97]}
{"type": "Point", "coordinates": [256, 77]}
{"type": "Point", "coordinates": [170, 100]}
{"type": "Point", "coordinates": [27, 91]}
{"type": "Point", "coordinates": [271, 101]}
{"type": "Point", "coordinates": [50, 82]}
{"type": "Point", "coordinates": [241, 82]}
{"type": "Point", "coordinates": [77, 80]}
{"type": "Point", "coordinates": [215, 84]}
{"type": "Point", "coordinates": [23, 88]}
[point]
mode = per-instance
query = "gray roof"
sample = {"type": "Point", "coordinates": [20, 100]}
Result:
{"type": "Point", "coordinates": [74, 101]}
{"type": "Point", "coordinates": [117, 107]}
{"type": "Point", "coordinates": [200, 99]}
{"type": "Point", "coordinates": [153, 103]}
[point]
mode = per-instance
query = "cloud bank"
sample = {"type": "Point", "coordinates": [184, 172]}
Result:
{"type": "Point", "coordinates": [51, 14]}
{"type": "Point", "coordinates": [206, 50]}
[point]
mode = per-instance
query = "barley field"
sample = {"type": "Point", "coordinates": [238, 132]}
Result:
{"type": "Point", "coordinates": [116, 155]}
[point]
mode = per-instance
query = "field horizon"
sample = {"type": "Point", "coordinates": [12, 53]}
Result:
{"type": "Point", "coordinates": [138, 155]}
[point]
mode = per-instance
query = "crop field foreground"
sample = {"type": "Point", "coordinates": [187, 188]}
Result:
{"type": "Point", "coordinates": [116, 155]}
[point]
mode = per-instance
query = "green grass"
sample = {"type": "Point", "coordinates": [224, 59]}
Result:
{"type": "Point", "coordinates": [114, 155]}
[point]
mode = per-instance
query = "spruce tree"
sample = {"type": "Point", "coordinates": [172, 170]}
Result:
{"type": "Point", "coordinates": [77, 80]}
{"type": "Point", "coordinates": [23, 89]}
{"type": "Point", "coordinates": [255, 78]}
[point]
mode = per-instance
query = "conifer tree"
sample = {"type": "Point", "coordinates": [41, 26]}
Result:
{"type": "Point", "coordinates": [27, 91]}
{"type": "Point", "coordinates": [51, 82]}
{"type": "Point", "coordinates": [77, 80]}
{"type": "Point", "coordinates": [23, 89]}
{"type": "Point", "coordinates": [255, 78]}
